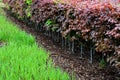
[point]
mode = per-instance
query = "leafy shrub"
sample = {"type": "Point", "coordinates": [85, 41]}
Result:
{"type": "Point", "coordinates": [92, 22]}
{"type": "Point", "coordinates": [28, 8]}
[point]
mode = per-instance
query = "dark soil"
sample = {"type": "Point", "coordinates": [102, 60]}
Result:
{"type": "Point", "coordinates": [83, 69]}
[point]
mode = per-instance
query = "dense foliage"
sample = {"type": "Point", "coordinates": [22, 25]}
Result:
{"type": "Point", "coordinates": [97, 22]}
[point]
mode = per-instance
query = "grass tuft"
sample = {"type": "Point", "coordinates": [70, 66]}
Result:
{"type": "Point", "coordinates": [21, 59]}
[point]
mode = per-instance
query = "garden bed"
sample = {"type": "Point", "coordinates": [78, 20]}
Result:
{"type": "Point", "coordinates": [69, 62]}
{"type": "Point", "coordinates": [90, 31]}
{"type": "Point", "coordinates": [92, 26]}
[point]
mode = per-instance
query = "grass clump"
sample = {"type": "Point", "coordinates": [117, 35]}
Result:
{"type": "Point", "coordinates": [21, 59]}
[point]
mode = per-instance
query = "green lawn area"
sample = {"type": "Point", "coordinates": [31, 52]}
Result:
{"type": "Point", "coordinates": [21, 58]}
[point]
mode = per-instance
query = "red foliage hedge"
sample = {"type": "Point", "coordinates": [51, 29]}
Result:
{"type": "Point", "coordinates": [94, 22]}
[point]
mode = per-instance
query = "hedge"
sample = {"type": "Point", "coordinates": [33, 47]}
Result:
{"type": "Point", "coordinates": [94, 24]}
